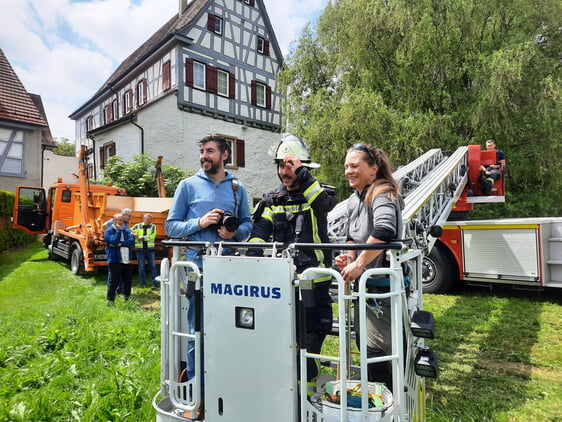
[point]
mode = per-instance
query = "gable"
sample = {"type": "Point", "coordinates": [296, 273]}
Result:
{"type": "Point", "coordinates": [16, 103]}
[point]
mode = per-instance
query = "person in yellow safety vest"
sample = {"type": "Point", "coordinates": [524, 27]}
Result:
{"type": "Point", "coordinates": [145, 235]}
{"type": "Point", "coordinates": [297, 212]}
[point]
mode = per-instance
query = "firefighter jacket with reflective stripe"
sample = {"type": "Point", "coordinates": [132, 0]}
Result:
{"type": "Point", "coordinates": [296, 216]}
{"type": "Point", "coordinates": [145, 235]}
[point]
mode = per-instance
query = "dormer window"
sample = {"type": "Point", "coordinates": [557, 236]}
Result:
{"type": "Point", "coordinates": [214, 23]}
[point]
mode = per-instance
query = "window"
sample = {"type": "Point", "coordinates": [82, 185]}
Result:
{"type": "Point", "coordinates": [214, 23]}
{"type": "Point", "coordinates": [115, 110]}
{"type": "Point", "coordinates": [223, 83]}
{"type": "Point", "coordinates": [128, 101]}
{"type": "Point", "coordinates": [166, 76]}
{"type": "Point", "coordinates": [195, 73]}
{"type": "Point", "coordinates": [66, 195]}
{"type": "Point", "coordinates": [141, 92]}
{"type": "Point", "coordinates": [198, 75]}
{"type": "Point", "coordinates": [108, 113]}
{"type": "Point", "coordinates": [249, 2]}
{"type": "Point", "coordinates": [209, 78]}
{"type": "Point", "coordinates": [261, 94]}
{"type": "Point", "coordinates": [90, 123]}
{"type": "Point", "coordinates": [263, 46]}
{"type": "Point", "coordinates": [11, 153]}
{"type": "Point", "coordinates": [106, 151]}
{"type": "Point", "coordinates": [237, 158]}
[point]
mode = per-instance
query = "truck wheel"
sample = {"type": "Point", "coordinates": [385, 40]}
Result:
{"type": "Point", "coordinates": [437, 271]}
{"type": "Point", "coordinates": [76, 260]}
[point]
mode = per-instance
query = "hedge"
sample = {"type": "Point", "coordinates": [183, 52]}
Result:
{"type": "Point", "coordinates": [10, 237]}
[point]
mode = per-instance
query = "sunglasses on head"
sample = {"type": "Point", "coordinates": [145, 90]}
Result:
{"type": "Point", "coordinates": [364, 148]}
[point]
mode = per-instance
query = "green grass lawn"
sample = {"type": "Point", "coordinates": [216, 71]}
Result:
{"type": "Point", "coordinates": [66, 356]}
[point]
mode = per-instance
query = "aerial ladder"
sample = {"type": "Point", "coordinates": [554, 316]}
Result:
{"type": "Point", "coordinates": [248, 361]}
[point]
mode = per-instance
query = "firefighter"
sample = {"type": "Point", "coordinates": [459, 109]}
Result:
{"type": "Point", "coordinates": [297, 211]}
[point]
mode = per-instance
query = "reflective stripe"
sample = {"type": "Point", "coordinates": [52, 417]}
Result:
{"type": "Point", "coordinates": [313, 191]}
{"type": "Point", "coordinates": [282, 209]}
{"type": "Point", "coordinates": [267, 214]}
{"type": "Point", "coordinates": [257, 240]}
{"type": "Point", "coordinates": [316, 239]}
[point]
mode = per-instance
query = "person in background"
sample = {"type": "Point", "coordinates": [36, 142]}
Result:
{"type": "Point", "coordinates": [200, 204]}
{"type": "Point", "coordinates": [374, 215]}
{"type": "Point", "coordinates": [297, 212]}
{"type": "Point", "coordinates": [119, 240]}
{"type": "Point", "coordinates": [489, 174]}
{"type": "Point", "coordinates": [145, 237]}
{"type": "Point", "coordinates": [126, 214]}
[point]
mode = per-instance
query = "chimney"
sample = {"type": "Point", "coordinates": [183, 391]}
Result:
{"type": "Point", "coordinates": [183, 5]}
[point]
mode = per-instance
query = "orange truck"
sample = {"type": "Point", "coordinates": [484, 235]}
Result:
{"type": "Point", "coordinates": [71, 216]}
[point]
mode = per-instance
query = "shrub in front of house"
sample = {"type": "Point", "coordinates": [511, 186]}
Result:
{"type": "Point", "coordinates": [10, 237]}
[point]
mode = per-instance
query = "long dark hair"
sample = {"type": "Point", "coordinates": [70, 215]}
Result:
{"type": "Point", "coordinates": [384, 181]}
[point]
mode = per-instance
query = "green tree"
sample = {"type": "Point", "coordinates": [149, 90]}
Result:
{"type": "Point", "coordinates": [407, 76]}
{"type": "Point", "coordinates": [139, 176]}
{"type": "Point", "coordinates": [64, 147]}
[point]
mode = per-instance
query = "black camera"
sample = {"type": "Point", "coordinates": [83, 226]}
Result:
{"type": "Point", "coordinates": [229, 221]}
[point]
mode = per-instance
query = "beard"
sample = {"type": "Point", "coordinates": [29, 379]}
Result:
{"type": "Point", "coordinates": [213, 168]}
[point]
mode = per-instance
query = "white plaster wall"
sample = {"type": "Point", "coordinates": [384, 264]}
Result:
{"type": "Point", "coordinates": [55, 166]}
{"type": "Point", "coordinates": [174, 137]}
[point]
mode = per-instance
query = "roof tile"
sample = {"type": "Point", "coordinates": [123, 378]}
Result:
{"type": "Point", "coordinates": [15, 102]}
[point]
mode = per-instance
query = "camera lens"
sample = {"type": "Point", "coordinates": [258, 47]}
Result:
{"type": "Point", "coordinates": [230, 222]}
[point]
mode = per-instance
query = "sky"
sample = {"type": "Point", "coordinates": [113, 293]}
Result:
{"type": "Point", "coordinates": [64, 50]}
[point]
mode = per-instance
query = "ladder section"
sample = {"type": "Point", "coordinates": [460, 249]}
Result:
{"type": "Point", "coordinates": [409, 176]}
{"type": "Point", "coordinates": [431, 202]}
{"type": "Point", "coordinates": [554, 261]}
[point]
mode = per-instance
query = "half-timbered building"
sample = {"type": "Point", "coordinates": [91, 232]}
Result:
{"type": "Point", "coordinates": [210, 69]}
{"type": "Point", "coordinates": [24, 131]}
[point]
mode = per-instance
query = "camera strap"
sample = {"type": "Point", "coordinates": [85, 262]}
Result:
{"type": "Point", "coordinates": [235, 184]}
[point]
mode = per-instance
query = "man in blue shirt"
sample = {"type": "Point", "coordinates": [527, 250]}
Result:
{"type": "Point", "coordinates": [118, 240]}
{"type": "Point", "coordinates": [200, 203]}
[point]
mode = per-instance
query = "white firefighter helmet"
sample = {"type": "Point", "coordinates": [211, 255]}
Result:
{"type": "Point", "coordinates": [291, 144]}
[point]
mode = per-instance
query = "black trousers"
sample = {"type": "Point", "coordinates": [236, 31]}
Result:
{"type": "Point", "coordinates": [119, 272]}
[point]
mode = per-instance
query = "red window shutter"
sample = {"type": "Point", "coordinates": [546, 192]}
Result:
{"type": "Point", "coordinates": [266, 47]}
{"type": "Point", "coordinates": [189, 72]}
{"type": "Point", "coordinates": [166, 74]}
{"type": "Point", "coordinates": [252, 2]}
{"type": "Point", "coordinates": [240, 153]}
{"type": "Point", "coordinates": [102, 157]}
{"type": "Point", "coordinates": [211, 22]}
{"type": "Point", "coordinates": [254, 93]}
{"type": "Point", "coordinates": [212, 79]}
{"type": "Point", "coordinates": [231, 85]}
{"type": "Point", "coordinates": [268, 97]}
